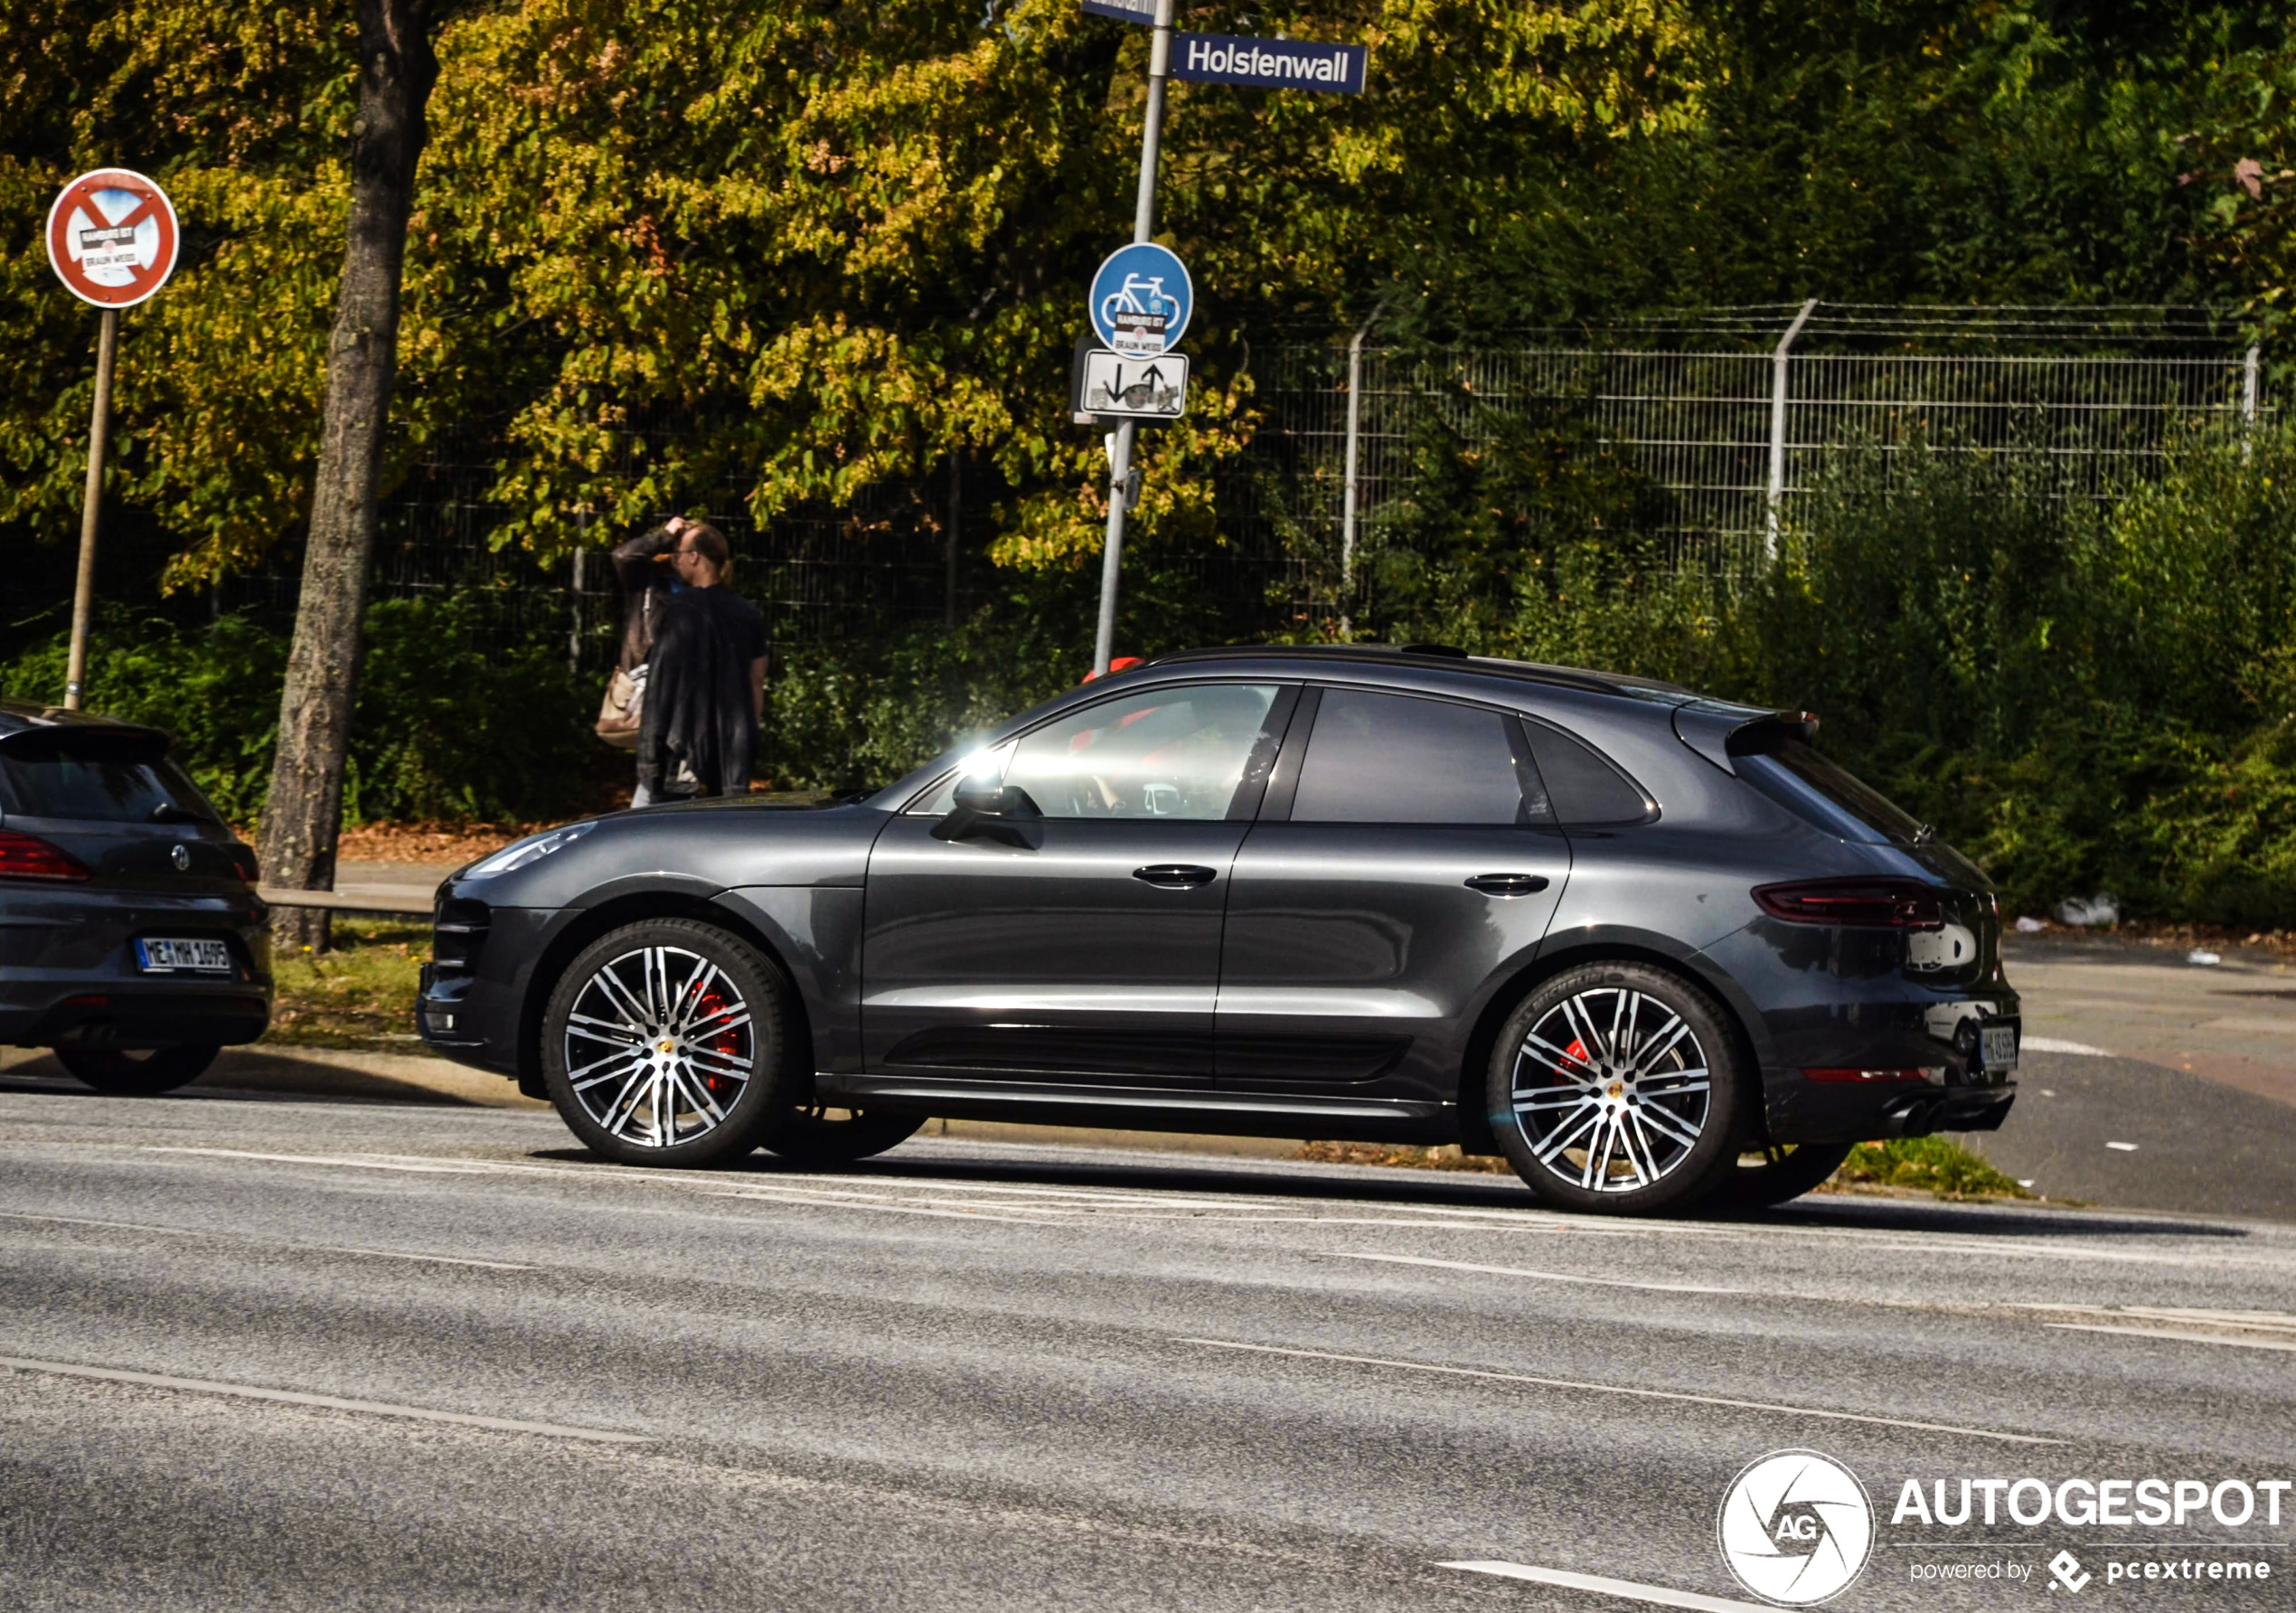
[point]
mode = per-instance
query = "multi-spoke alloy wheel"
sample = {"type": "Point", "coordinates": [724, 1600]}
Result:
{"type": "Point", "coordinates": [661, 1042]}
{"type": "Point", "coordinates": [1614, 1086]}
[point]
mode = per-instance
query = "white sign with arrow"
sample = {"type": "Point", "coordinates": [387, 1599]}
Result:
{"type": "Point", "coordinates": [1149, 389]}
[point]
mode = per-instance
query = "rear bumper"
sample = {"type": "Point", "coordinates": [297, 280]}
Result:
{"type": "Point", "coordinates": [68, 974]}
{"type": "Point", "coordinates": [1831, 1009]}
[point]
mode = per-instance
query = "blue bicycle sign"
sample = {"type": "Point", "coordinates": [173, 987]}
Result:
{"type": "Point", "coordinates": [1141, 300]}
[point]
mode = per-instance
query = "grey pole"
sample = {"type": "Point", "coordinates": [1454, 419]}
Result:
{"type": "Point", "coordinates": [1347, 496]}
{"type": "Point", "coordinates": [1143, 225]}
{"type": "Point", "coordinates": [1778, 426]}
{"type": "Point", "coordinates": [91, 510]}
{"type": "Point", "coordinates": [2248, 404]}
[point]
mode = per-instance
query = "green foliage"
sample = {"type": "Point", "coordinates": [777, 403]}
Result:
{"type": "Point", "coordinates": [215, 690]}
{"type": "Point", "coordinates": [443, 728]}
{"type": "Point", "coordinates": [1930, 1163]}
{"type": "Point", "coordinates": [2082, 694]}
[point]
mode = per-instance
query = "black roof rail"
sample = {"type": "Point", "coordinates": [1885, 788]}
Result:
{"type": "Point", "coordinates": [1570, 677]}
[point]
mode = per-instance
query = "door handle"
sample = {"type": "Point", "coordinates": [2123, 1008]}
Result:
{"type": "Point", "coordinates": [1174, 876]}
{"type": "Point", "coordinates": [1507, 884]}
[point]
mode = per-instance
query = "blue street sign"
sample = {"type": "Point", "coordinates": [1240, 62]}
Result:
{"type": "Point", "coordinates": [1141, 300]}
{"type": "Point", "coordinates": [1268, 63]}
{"type": "Point", "coordinates": [1142, 12]}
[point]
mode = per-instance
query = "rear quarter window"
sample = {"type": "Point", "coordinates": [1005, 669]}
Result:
{"type": "Point", "coordinates": [1586, 789]}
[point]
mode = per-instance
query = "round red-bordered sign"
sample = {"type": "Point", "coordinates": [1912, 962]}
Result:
{"type": "Point", "coordinates": [112, 238]}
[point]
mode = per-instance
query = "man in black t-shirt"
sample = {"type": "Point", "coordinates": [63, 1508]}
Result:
{"type": "Point", "coordinates": [705, 692]}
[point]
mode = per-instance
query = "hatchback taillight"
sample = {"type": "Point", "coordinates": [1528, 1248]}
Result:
{"type": "Point", "coordinates": [243, 859]}
{"type": "Point", "coordinates": [29, 857]}
{"type": "Point", "coordinates": [1887, 904]}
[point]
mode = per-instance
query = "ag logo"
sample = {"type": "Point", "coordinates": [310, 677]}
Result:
{"type": "Point", "coordinates": [1796, 1528]}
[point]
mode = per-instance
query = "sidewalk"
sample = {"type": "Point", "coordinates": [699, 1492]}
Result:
{"type": "Point", "coordinates": [2233, 1023]}
{"type": "Point", "coordinates": [374, 887]}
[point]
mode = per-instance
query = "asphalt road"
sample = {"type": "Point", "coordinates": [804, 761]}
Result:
{"type": "Point", "coordinates": [2137, 1135]}
{"type": "Point", "coordinates": [302, 1353]}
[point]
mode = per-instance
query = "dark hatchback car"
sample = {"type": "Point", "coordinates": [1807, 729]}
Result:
{"type": "Point", "coordinates": [131, 937]}
{"type": "Point", "coordinates": [1652, 947]}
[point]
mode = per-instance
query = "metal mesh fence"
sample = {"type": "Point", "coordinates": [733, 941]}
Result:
{"type": "Point", "coordinates": [1686, 405]}
{"type": "Point", "coordinates": [1691, 408]}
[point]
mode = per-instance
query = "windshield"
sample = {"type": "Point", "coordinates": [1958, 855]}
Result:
{"type": "Point", "coordinates": [107, 790]}
{"type": "Point", "coordinates": [1789, 772]}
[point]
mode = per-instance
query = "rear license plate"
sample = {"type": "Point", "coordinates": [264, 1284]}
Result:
{"type": "Point", "coordinates": [171, 956]}
{"type": "Point", "coordinates": [2001, 1047]}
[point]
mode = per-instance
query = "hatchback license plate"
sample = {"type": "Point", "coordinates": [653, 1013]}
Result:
{"type": "Point", "coordinates": [2001, 1047]}
{"type": "Point", "coordinates": [169, 957]}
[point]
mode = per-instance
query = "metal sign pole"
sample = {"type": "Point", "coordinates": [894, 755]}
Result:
{"type": "Point", "coordinates": [83, 593]}
{"type": "Point", "coordinates": [1143, 225]}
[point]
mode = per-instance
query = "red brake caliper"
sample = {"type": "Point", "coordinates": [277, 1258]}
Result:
{"type": "Point", "coordinates": [728, 1041]}
{"type": "Point", "coordinates": [1574, 1053]}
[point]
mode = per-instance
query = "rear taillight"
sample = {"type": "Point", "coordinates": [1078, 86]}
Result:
{"type": "Point", "coordinates": [1933, 1073]}
{"type": "Point", "coordinates": [243, 859]}
{"type": "Point", "coordinates": [1887, 904]}
{"type": "Point", "coordinates": [29, 857]}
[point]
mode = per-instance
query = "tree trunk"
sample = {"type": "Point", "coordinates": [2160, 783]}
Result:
{"type": "Point", "coordinates": [304, 813]}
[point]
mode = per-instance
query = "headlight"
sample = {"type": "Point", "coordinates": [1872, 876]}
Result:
{"type": "Point", "coordinates": [518, 854]}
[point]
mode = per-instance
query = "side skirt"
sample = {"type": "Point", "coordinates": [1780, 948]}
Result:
{"type": "Point", "coordinates": [1132, 1109]}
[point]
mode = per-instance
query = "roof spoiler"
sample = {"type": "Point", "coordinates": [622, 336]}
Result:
{"type": "Point", "coordinates": [1718, 731]}
{"type": "Point", "coordinates": [123, 741]}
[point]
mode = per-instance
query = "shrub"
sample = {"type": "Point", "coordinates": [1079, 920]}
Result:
{"type": "Point", "coordinates": [445, 726]}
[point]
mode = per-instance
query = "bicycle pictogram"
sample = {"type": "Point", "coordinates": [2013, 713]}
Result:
{"type": "Point", "coordinates": [1141, 300]}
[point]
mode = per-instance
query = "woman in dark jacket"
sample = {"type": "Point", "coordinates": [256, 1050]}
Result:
{"type": "Point", "coordinates": [706, 679]}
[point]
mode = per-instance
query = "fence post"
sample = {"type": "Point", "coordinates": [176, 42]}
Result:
{"type": "Point", "coordinates": [1347, 497]}
{"type": "Point", "coordinates": [2248, 403]}
{"type": "Point", "coordinates": [1778, 425]}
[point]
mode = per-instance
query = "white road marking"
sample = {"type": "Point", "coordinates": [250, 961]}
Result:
{"type": "Point", "coordinates": [1617, 1388]}
{"type": "Point", "coordinates": [326, 1401]}
{"type": "Point", "coordinates": [2123, 1147]}
{"type": "Point", "coordinates": [2179, 1334]}
{"type": "Point", "coordinates": [1545, 1276]}
{"type": "Point", "coordinates": [392, 1254]}
{"type": "Point", "coordinates": [2050, 1044]}
{"type": "Point", "coordinates": [1859, 1238]}
{"type": "Point", "coordinates": [1658, 1594]}
{"type": "Point", "coordinates": [330, 1249]}
{"type": "Point", "coordinates": [81, 1220]}
{"type": "Point", "coordinates": [472, 1169]}
{"type": "Point", "coordinates": [841, 1204]}
{"type": "Point", "coordinates": [2268, 1321]}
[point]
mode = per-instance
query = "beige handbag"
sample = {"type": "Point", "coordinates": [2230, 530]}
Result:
{"type": "Point", "coordinates": [623, 710]}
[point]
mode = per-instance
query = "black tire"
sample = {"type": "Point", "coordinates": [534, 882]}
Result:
{"type": "Point", "coordinates": [137, 1072]}
{"type": "Point", "coordinates": [812, 1137]}
{"type": "Point", "coordinates": [1656, 1139]}
{"type": "Point", "coordinates": [1776, 1173]}
{"type": "Point", "coordinates": [700, 1077]}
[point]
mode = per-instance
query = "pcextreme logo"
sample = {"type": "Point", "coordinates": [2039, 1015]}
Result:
{"type": "Point", "coordinates": [1795, 1528]}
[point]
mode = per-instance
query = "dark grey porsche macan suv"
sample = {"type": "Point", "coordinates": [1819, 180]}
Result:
{"type": "Point", "coordinates": [1652, 947]}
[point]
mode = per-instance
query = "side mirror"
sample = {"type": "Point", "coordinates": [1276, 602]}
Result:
{"type": "Point", "coordinates": [990, 812]}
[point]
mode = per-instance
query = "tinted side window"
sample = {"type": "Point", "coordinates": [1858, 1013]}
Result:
{"type": "Point", "coordinates": [1175, 752]}
{"type": "Point", "coordinates": [1391, 758]}
{"type": "Point", "coordinates": [1584, 787]}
